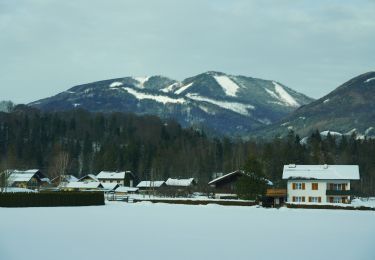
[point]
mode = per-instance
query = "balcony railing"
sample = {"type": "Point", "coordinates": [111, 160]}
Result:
{"type": "Point", "coordinates": [339, 192]}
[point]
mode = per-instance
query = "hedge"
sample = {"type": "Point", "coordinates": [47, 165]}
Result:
{"type": "Point", "coordinates": [51, 199]}
{"type": "Point", "coordinates": [304, 206]}
{"type": "Point", "coordinates": [200, 202]}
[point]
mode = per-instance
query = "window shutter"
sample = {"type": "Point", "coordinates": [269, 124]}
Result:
{"type": "Point", "coordinates": [294, 198]}
{"type": "Point", "coordinates": [310, 199]}
{"type": "Point", "coordinates": [294, 186]}
{"type": "Point", "coordinates": [303, 199]}
{"type": "Point", "coordinates": [320, 199]}
{"type": "Point", "coordinates": [344, 186]}
{"type": "Point", "coordinates": [303, 186]}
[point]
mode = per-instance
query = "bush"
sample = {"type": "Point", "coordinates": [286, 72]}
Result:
{"type": "Point", "coordinates": [51, 199]}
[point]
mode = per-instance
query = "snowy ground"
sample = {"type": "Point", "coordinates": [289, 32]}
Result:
{"type": "Point", "coordinates": [162, 231]}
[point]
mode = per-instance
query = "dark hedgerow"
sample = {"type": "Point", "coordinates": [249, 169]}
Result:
{"type": "Point", "coordinates": [305, 206]}
{"type": "Point", "coordinates": [51, 199]}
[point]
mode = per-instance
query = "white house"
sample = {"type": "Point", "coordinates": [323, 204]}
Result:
{"type": "Point", "coordinates": [125, 178]}
{"type": "Point", "coordinates": [314, 184]}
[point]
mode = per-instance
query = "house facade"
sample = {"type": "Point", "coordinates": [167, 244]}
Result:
{"type": "Point", "coordinates": [314, 184]}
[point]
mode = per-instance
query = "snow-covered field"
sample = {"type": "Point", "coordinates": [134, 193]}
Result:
{"type": "Point", "coordinates": [162, 231]}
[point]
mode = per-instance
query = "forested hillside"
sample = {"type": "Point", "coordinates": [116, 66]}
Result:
{"type": "Point", "coordinates": [91, 142]}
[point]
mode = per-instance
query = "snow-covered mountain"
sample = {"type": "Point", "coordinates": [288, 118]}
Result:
{"type": "Point", "coordinates": [348, 109]}
{"type": "Point", "coordinates": [222, 103]}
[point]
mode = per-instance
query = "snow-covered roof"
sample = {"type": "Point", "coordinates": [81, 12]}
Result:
{"type": "Point", "coordinates": [112, 175]}
{"type": "Point", "coordinates": [84, 185]}
{"type": "Point", "coordinates": [270, 183]}
{"type": "Point", "coordinates": [22, 176]}
{"type": "Point", "coordinates": [110, 186]}
{"type": "Point", "coordinates": [16, 190]}
{"type": "Point", "coordinates": [90, 176]}
{"type": "Point", "coordinates": [126, 189]}
{"type": "Point", "coordinates": [180, 182]}
{"type": "Point", "coordinates": [70, 178]}
{"type": "Point", "coordinates": [224, 177]}
{"type": "Point", "coordinates": [150, 184]}
{"type": "Point", "coordinates": [321, 172]}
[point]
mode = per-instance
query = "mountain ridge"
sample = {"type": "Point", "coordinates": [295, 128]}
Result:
{"type": "Point", "coordinates": [224, 103]}
{"type": "Point", "coordinates": [349, 108]}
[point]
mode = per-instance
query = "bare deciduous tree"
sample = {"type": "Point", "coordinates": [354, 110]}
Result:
{"type": "Point", "coordinates": [59, 166]}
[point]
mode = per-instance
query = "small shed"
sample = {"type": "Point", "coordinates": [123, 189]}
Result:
{"type": "Point", "coordinates": [274, 197]}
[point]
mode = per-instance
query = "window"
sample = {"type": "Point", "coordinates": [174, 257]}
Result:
{"type": "Point", "coordinates": [298, 186]}
{"type": "Point", "coordinates": [314, 186]}
{"type": "Point", "coordinates": [298, 199]}
{"type": "Point", "coordinates": [315, 199]}
{"type": "Point", "coordinates": [337, 186]}
{"type": "Point", "coordinates": [336, 200]}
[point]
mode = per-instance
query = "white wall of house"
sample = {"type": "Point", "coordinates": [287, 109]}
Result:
{"type": "Point", "coordinates": [309, 192]}
{"type": "Point", "coordinates": [118, 181]}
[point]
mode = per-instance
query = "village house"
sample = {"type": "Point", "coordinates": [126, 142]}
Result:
{"type": "Point", "coordinates": [88, 178]}
{"type": "Point", "coordinates": [63, 179]}
{"type": "Point", "coordinates": [314, 184]}
{"type": "Point", "coordinates": [150, 185]}
{"type": "Point", "coordinates": [183, 183]}
{"type": "Point", "coordinates": [83, 186]}
{"type": "Point", "coordinates": [224, 185]}
{"type": "Point", "coordinates": [29, 179]}
{"type": "Point", "coordinates": [123, 190]}
{"type": "Point", "coordinates": [180, 187]}
{"type": "Point", "coordinates": [125, 178]}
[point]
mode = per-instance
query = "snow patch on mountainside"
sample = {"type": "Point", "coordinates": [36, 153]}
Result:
{"type": "Point", "coordinates": [233, 106]}
{"type": "Point", "coordinates": [170, 88]}
{"type": "Point", "coordinates": [141, 81]}
{"type": "Point", "coordinates": [284, 96]}
{"type": "Point", "coordinates": [368, 130]}
{"type": "Point", "coordinates": [115, 84]}
{"type": "Point", "coordinates": [229, 86]}
{"type": "Point", "coordinates": [332, 133]}
{"type": "Point", "coordinates": [207, 110]}
{"type": "Point", "coordinates": [183, 88]}
{"type": "Point", "coordinates": [368, 80]}
{"type": "Point", "coordinates": [157, 98]}
{"type": "Point", "coordinates": [273, 94]}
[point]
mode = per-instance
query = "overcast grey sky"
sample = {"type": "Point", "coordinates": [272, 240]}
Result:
{"type": "Point", "coordinates": [48, 46]}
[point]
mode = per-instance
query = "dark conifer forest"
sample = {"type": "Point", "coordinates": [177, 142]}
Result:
{"type": "Point", "coordinates": [93, 142]}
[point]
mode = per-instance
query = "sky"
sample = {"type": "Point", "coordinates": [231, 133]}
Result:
{"type": "Point", "coordinates": [48, 46]}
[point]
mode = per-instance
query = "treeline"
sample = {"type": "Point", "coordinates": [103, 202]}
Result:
{"type": "Point", "coordinates": [80, 143]}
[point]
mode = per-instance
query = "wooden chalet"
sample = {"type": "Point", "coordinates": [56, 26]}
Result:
{"type": "Point", "coordinates": [225, 186]}
{"type": "Point", "coordinates": [28, 179]}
